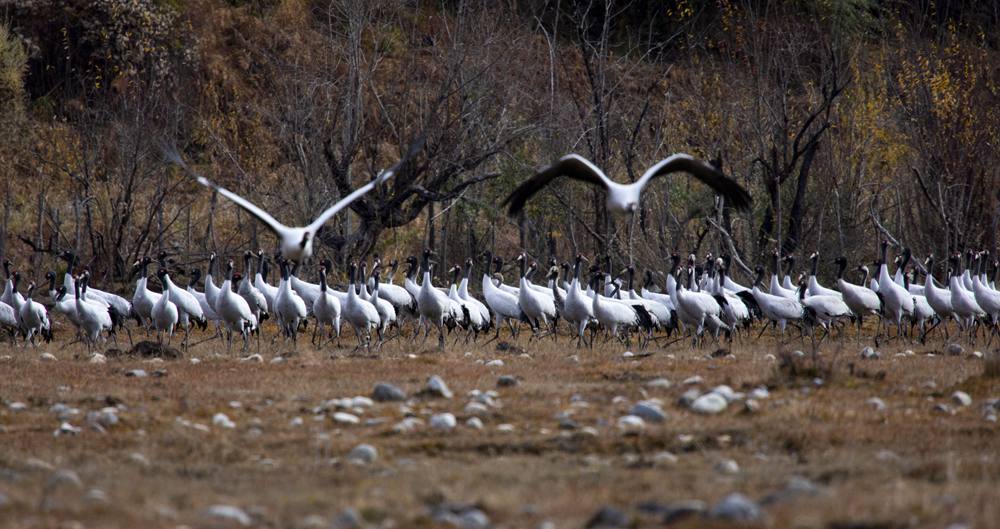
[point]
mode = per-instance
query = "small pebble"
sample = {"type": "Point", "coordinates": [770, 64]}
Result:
{"type": "Point", "coordinates": [961, 398]}
{"type": "Point", "coordinates": [223, 421]}
{"type": "Point", "coordinates": [954, 349]}
{"type": "Point", "coordinates": [385, 392]}
{"type": "Point", "coordinates": [443, 421]}
{"type": "Point", "coordinates": [229, 513]}
{"type": "Point", "coordinates": [47, 357]}
{"type": "Point", "coordinates": [363, 454]}
{"type": "Point", "coordinates": [659, 383]}
{"type": "Point", "coordinates": [66, 429]}
{"type": "Point", "coordinates": [628, 354]}
{"type": "Point", "coordinates": [709, 403]}
{"type": "Point", "coordinates": [346, 418]}
{"type": "Point", "coordinates": [253, 359]}
{"type": "Point", "coordinates": [736, 507]}
{"type": "Point", "coordinates": [870, 354]}
{"type": "Point", "coordinates": [728, 467]}
{"type": "Point", "coordinates": [876, 403]}
{"type": "Point", "coordinates": [407, 425]}
{"type": "Point", "coordinates": [437, 387]}
{"type": "Point", "coordinates": [690, 381]}
{"type": "Point", "coordinates": [495, 363]}
{"type": "Point", "coordinates": [631, 424]}
{"type": "Point", "coordinates": [475, 423]}
{"type": "Point", "coordinates": [507, 381]}
{"type": "Point", "coordinates": [98, 358]}
{"type": "Point", "coordinates": [649, 411]}
{"type": "Point", "coordinates": [137, 373]}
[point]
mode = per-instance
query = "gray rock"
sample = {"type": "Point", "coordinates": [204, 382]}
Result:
{"type": "Point", "coordinates": [443, 421]}
{"type": "Point", "coordinates": [363, 454]}
{"type": "Point", "coordinates": [797, 486]}
{"type": "Point", "coordinates": [223, 421]}
{"type": "Point", "coordinates": [659, 383]}
{"type": "Point", "coordinates": [66, 429]}
{"type": "Point", "coordinates": [961, 398]}
{"type": "Point", "coordinates": [876, 403]}
{"type": "Point", "coordinates": [649, 411]}
{"type": "Point", "coordinates": [954, 349]}
{"type": "Point", "coordinates": [137, 373]}
{"type": "Point", "coordinates": [737, 508]}
{"type": "Point", "coordinates": [870, 354]}
{"type": "Point", "coordinates": [47, 357]}
{"type": "Point", "coordinates": [727, 467]}
{"type": "Point", "coordinates": [343, 417]}
{"type": "Point", "coordinates": [709, 403]}
{"type": "Point", "coordinates": [690, 381]}
{"type": "Point", "coordinates": [385, 392]}
{"type": "Point", "coordinates": [437, 387]}
{"type": "Point", "coordinates": [407, 425]}
{"type": "Point", "coordinates": [631, 424]}
{"type": "Point", "coordinates": [688, 397]}
{"type": "Point", "coordinates": [228, 513]}
{"type": "Point", "coordinates": [759, 393]}
{"type": "Point", "coordinates": [475, 423]}
{"type": "Point", "coordinates": [608, 518]}
{"type": "Point", "coordinates": [347, 519]}
{"type": "Point", "coordinates": [507, 381]}
{"type": "Point", "coordinates": [64, 477]}
{"type": "Point", "coordinates": [679, 510]}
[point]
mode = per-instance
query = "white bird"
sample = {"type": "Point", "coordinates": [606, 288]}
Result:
{"type": "Point", "coordinates": [402, 301]}
{"type": "Point", "coordinates": [698, 309]}
{"type": "Point", "coordinates": [578, 308]}
{"type": "Point", "coordinates": [206, 308]}
{"type": "Point", "coordinates": [235, 312]}
{"type": "Point", "coordinates": [188, 308]}
{"type": "Point", "coordinates": [165, 312]}
{"type": "Point", "coordinates": [987, 298]}
{"type": "Point", "coordinates": [897, 302]}
{"type": "Point", "coordinates": [962, 300]}
{"type": "Point", "coordinates": [826, 309]}
{"type": "Point", "coordinates": [254, 297]}
{"type": "Point", "coordinates": [326, 309]}
{"type": "Point", "coordinates": [657, 311]}
{"type": "Point", "coordinates": [122, 307]}
{"type": "Point", "coordinates": [503, 304]}
{"type": "Point", "coordinates": [386, 312]}
{"type": "Point", "coordinates": [144, 299]}
{"type": "Point", "coordinates": [289, 307]}
{"type": "Point", "coordinates": [260, 282]}
{"type": "Point", "coordinates": [624, 198]}
{"type": "Point", "coordinates": [10, 294]}
{"type": "Point", "coordinates": [538, 307]}
{"type": "Point", "coordinates": [617, 318]}
{"type": "Point", "coordinates": [860, 299]}
{"type": "Point", "coordinates": [938, 298]}
{"type": "Point", "coordinates": [362, 316]}
{"type": "Point", "coordinates": [787, 282]}
{"type": "Point", "coordinates": [815, 289]}
{"type": "Point", "coordinates": [93, 319]}
{"type": "Point", "coordinates": [211, 289]}
{"type": "Point", "coordinates": [34, 318]}
{"type": "Point", "coordinates": [485, 317]}
{"type": "Point", "coordinates": [779, 309]}
{"type": "Point", "coordinates": [297, 242]}
{"type": "Point", "coordinates": [777, 289]}
{"type": "Point", "coordinates": [434, 305]}
{"type": "Point", "coordinates": [476, 321]}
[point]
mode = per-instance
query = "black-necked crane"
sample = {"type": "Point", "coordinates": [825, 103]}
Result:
{"type": "Point", "coordinates": [814, 288]}
{"type": "Point", "coordinates": [897, 302]}
{"type": "Point", "coordinates": [326, 309]}
{"type": "Point", "coordinates": [289, 308]}
{"type": "Point", "coordinates": [235, 312]}
{"type": "Point", "coordinates": [34, 318]}
{"type": "Point", "coordinates": [625, 198]}
{"type": "Point", "coordinates": [165, 312]}
{"type": "Point", "coordinates": [859, 298]}
{"type": "Point", "coordinates": [503, 304]}
{"type": "Point", "coordinates": [362, 316]}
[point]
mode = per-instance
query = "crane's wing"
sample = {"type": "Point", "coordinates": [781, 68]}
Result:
{"type": "Point", "coordinates": [382, 178]}
{"type": "Point", "coordinates": [263, 216]}
{"type": "Point", "coordinates": [571, 166]}
{"type": "Point", "coordinates": [734, 193]}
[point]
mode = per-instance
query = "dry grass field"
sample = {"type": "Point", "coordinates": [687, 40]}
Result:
{"type": "Point", "coordinates": [813, 452]}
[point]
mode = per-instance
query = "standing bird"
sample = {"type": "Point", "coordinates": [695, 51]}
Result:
{"type": "Point", "coordinates": [624, 198]}
{"type": "Point", "coordinates": [859, 298]}
{"type": "Point", "coordinates": [297, 242]}
{"type": "Point", "coordinates": [362, 315]}
{"type": "Point", "coordinates": [165, 313]}
{"type": "Point", "coordinates": [234, 311]}
{"type": "Point", "coordinates": [34, 318]}
{"type": "Point", "coordinates": [289, 308]}
{"type": "Point", "coordinates": [503, 304]}
{"type": "Point", "coordinates": [326, 309]}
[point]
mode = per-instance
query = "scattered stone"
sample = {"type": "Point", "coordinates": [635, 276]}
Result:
{"type": "Point", "coordinates": [727, 393]}
{"type": "Point", "coordinates": [870, 354]}
{"type": "Point", "coordinates": [66, 429]}
{"type": "Point", "coordinates": [437, 387]}
{"type": "Point", "coordinates": [728, 467]}
{"type": "Point", "coordinates": [159, 373]}
{"type": "Point", "coordinates": [103, 418]}
{"type": "Point", "coordinates": [648, 410]}
{"type": "Point", "coordinates": [506, 428]}
{"type": "Point", "coordinates": [343, 417]}
{"type": "Point", "coordinates": [137, 373]}
{"type": "Point", "coordinates": [664, 458]}
{"type": "Point", "coordinates": [47, 357]}
{"type": "Point", "coordinates": [17, 406]}
{"type": "Point", "coordinates": [628, 354]}
{"type": "Point", "coordinates": [460, 516]}
{"type": "Point", "coordinates": [296, 422]}
{"type": "Point", "coordinates": [961, 398]}
{"type": "Point", "coordinates": [709, 403]}
{"type": "Point", "coordinates": [608, 518]}
{"type": "Point", "coordinates": [407, 425]}
{"type": "Point", "coordinates": [278, 360]}
{"type": "Point", "coordinates": [954, 349]}
{"type": "Point", "coordinates": [33, 463]}
{"type": "Point", "coordinates": [659, 383]}
{"type": "Point", "coordinates": [385, 392]}
{"type": "Point", "coordinates": [475, 423]}
{"type": "Point", "coordinates": [96, 496]}
{"type": "Point", "coordinates": [690, 381]}
{"type": "Point", "coordinates": [770, 357]}
{"type": "Point", "coordinates": [876, 403]}
{"type": "Point", "coordinates": [138, 459]}
{"type": "Point", "coordinates": [796, 486]}
{"type": "Point", "coordinates": [737, 508]}
{"type": "Point", "coordinates": [98, 358]}
{"type": "Point", "coordinates": [223, 421]}
{"type": "Point", "coordinates": [908, 352]}
{"type": "Point", "coordinates": [944, 408]}
{"type": "Point", "coordinates": [148, 349]}
{"type": "Point", "coordinates": [759, 393]}
{"type": "Point", "coordinates": [631, 424]}
{"type": "Point", "coordinates": [229, 513]}
{"type": "Point", "coordinates": [443, 421]}
{"type": "Point", "coordinates": [363, 454]}
{"type": "Point", "coordinates": [476, 408]}
{"type": "Point", "coordinates": [253, 359]}
{"type": "Point", "coordinates": [507, 381]}
{"type": "Point", "coordinates": [798, 354]}
{"type": "Point", "coordinates": [195, 361]}
{"type": "Point", "coordinates": [977, 354]}
{"type": "Point", "coordinates": [751, 406]}
{"type": "Point", "coordinates": [64, 477]}
{"type": "Point", "coordinates": [495, 363]}
{"type": "Point", "coordinates": [688, 397]}
{"type": "Point", "coordinates": [674, 512]}
{"type": "Point", "coordinates": [347, 519]}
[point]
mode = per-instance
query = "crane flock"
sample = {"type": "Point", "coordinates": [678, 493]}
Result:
{"type": "Point", "coordinates": [587, 301]}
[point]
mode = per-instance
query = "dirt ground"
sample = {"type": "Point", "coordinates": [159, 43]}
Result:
{"type": "Point", "coordinates": [550, 453]}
